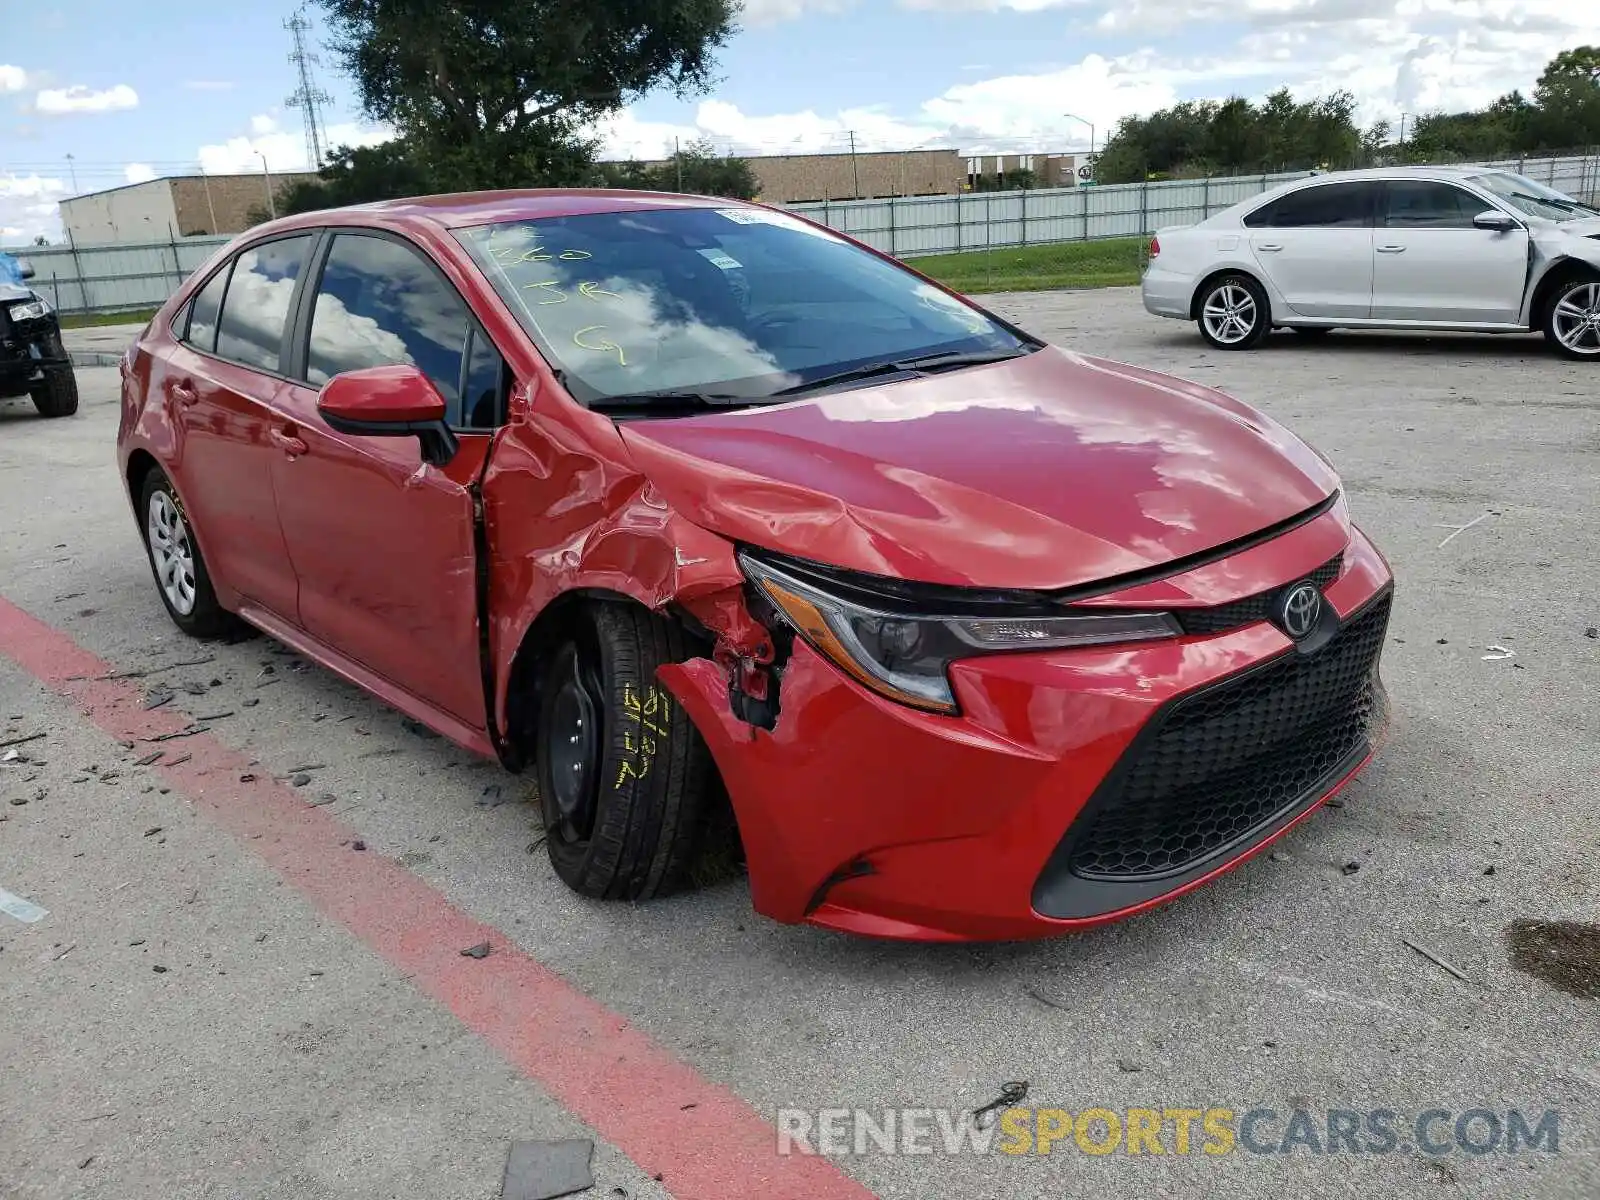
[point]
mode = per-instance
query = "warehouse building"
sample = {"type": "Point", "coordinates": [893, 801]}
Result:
{"type": "Point", "coordinates": [180, 206]}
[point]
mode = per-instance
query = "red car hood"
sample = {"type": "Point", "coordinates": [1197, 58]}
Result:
{"type": "Point", "coordinates": [1045, 471]}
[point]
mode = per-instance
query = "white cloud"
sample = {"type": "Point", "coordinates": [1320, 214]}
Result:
{"type": "Point", "coordinates": [285, 149]}
{"type": "Point", "coordinates": [28, 207]}
{"type": "Point", "coordinates": [12, 79]}
{"type": "Point", "coordinates": [139, 172]}
{"type": "Point", "coordinates": [770, 12]}
{"type": "Point", "coordinates": [61, 101]}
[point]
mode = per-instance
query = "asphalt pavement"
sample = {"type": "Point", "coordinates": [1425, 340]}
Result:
{"type": "Point", "coordinates": [298, 1042]}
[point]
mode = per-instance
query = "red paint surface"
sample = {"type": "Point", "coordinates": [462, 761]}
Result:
{"type": "Point", "coordinates": [399, 392]}
{"type": "Point", "coordinates": [631, 1091]}
{"type": "Point", "coordinates": [1046, 471]}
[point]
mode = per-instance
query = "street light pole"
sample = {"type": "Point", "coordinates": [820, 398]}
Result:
{"type": "Point", "coordinates": [266, 174]}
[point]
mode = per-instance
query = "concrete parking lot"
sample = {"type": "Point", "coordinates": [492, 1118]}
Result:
{"type": "Point", "coordinates": [254, 987]}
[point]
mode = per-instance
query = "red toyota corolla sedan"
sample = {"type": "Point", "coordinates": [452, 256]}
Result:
{"type": "Point", "coordinates": [681, 502]}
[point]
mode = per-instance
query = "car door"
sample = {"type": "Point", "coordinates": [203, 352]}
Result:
{"type": "Point", "coordinates": [221, 380]}
{"type": "Point", "coordinates": [1314, 245]}
{"type": "Point", "coordinates": [383, 544]}
{"type": "Point", "coordinates": [1432, 264]}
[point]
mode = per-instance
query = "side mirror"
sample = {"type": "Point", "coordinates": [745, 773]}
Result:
{"type": "Point", "coordinates": [1496, 221]}
{"type": "Point", "coordinates": [392, 401]}
{"type": "Point", "coordinates": [25, 269]}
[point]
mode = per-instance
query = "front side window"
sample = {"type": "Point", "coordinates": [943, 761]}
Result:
{"type": "Point", "coordinates": [1325, 206]}
{"type": "Point", "coordinates": [255, 310]}
{"type": "Point", "coordinates": [381, 303]}
{"type": "Point", "coordinates": [1421, 204]}
{"type": "Point", "coordinates": [1534, 199]}
{"type": "Point", "coordinates": [736, 304]}
{"type": "Point", "coordinates": [204, 310]}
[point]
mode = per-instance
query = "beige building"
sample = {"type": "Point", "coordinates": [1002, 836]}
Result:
{"type": "Point", "coordinates": [798, 178]}
{"type": "Point", "coordinates": [1049, 170]}
{"type": "Point", "coordinates": [182, 206]}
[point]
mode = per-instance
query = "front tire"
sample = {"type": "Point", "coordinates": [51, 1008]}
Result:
{"type": "Point", "coordinates": [1572, 318]}
{"type": "Point", "coordinates": [57, 394]}
{"type": "Point", "coordinates": [625, 781]}
{"type": "Point", "coordinates": [1232, 313]}
{"type": "Point", "coordinates": [182, 580]}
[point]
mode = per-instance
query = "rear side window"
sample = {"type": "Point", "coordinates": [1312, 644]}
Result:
{"type": "Point", "coordinates": [1328, 206]}
{"type": "Point", "coordinates": [380, 302]}
{"type": "Point", "coordinates": [1420, 204]}
{"type": "Point", "coordinates": [204, 310]}
{"type": "Point", "coordinates": [255, 311]}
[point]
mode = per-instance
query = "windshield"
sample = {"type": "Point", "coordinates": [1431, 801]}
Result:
{"type": "Point", "coordinates": [1533, 199]}
{"type": "Point", "coordinates": [731, 303]}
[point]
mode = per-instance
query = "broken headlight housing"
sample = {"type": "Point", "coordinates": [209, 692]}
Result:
{"type": "Point", "coordinates": [897, 643]}
{"type": "Point", "coordinates": [30, 311]}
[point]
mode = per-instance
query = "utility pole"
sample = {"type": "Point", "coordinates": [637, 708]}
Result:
{"type": "Point", "coordinates": [677, 158]}
{"type": "Point", "coordinates": [855, 171]}
{"type": "Point", "coordinates": [205, 181]}
{"type": "Point", "coordinates": [1403, 117]}
{"type": "Point", "coordinates": [272, 201]}
{"type": "Point", "coordinates": [72, 167]}
{"type": "Point", "coordinates": [1090, 124]}
{"type": "Point", "coordinates": [308, 97]}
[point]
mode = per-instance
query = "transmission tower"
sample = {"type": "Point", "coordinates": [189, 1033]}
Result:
{"type": "Point", "coordinates": [308, 97]}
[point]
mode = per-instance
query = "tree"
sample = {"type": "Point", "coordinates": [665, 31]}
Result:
{"type": "Point", "coordinates": [492, 93]}
{"type": "Point", "coordinates": [1567, 102]}
{"type": "Point", "coordinates": [695, 168]}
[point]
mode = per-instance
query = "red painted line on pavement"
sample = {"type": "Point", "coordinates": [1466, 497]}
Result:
{"type": "Point", "coordinates": [632, 1092]}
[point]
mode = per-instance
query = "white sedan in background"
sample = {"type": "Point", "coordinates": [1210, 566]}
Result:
{"type": "Point", "coordinates": [1453, 248]}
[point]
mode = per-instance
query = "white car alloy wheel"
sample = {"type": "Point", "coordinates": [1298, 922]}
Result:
{"type": "Point", "coordinates": [171, 552]}
{"type": "Point", "coordinates": [1230, 314]}
{"type": "Point", "coordinates": [1575, 319]}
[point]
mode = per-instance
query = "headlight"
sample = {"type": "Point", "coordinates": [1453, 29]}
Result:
{"type": "Point", "coordinates": [905, 655]}
{"type": "Point", "coordinates": [30, 311]}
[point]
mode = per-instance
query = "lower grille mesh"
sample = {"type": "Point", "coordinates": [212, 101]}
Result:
{"type": "Point", "coordinates": [1226, 761]}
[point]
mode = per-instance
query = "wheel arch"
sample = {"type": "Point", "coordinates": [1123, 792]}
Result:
{"type": "Point", "coordinates": [1560, 271]}
{"type": "Point", "coordinates": [1233, 269]}
{"type": "Point", "coordinates": [140, 463]}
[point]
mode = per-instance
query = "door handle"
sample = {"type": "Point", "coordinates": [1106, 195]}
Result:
{"type": "Point", "coordinates": [1391, 249]}
{"type": "Point", "coordinates": [287, 442]}
{"type": "Point", "coordinates": [183, 393]}
{"type": "Point", "coordinates": [1269, 247]}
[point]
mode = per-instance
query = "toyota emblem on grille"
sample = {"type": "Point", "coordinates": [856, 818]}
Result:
{"type": "Point", "coordinates": [1299, 609]}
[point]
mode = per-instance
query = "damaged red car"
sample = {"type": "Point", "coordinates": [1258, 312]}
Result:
{"type": "Point", "coordinates": [692, 508]}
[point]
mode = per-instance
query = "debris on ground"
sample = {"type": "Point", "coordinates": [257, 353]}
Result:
{"type": "Point", "coordinates": [418, 728]}
{"type": "Point", "coordinates": [1011, 1094]}
{"type": "Point", "coordinates": [1458, 530]}
{"type": "Point", "coordinates": [1281, 856]}
{"type": "Point", "coordinates": [481, 950]}
{"type": "Point", "coordinates": [300, 780]}
{"type": "Point", "coordinates": [152, 831]}
{"type": "Point", "coordinates": [1498, 653]}
{"type": "Point", "coordinates": [1042, 998]}
{"type": "Point", "coordinates": [1565, 954]}
{"type": "Point", "coordinates": [215, 716]}
{"type": "Point", "coordinates": [17, 741]}
{"type": "Point", "coordinates": [358, 844]}
{"type": "Point", "coordinates": [1439, 962]}
{"type": "Point", "coordinates": [1592, 632]}
{"type": "Point", "coordinates": [148, 758]}
{"type": "Point", "coordinates": [191, 731]}
{"type": "Point", "coordinates": [547, 1170]}
{"type": "Point", "coordinates": [1350, 868]}
{"type": "Point", "coordinates": [157, 699]}
{"type": "Point", "coordinates": [1128, 1067]}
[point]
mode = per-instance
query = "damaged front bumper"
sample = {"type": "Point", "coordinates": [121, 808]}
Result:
{"type": "Point", "coordinates": [1076, 787]}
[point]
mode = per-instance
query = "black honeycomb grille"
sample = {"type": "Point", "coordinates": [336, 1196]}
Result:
{"type": "Point", "coordinates": [1252, 608]}
{"type": "Point", "coordinates": [1225, 762]}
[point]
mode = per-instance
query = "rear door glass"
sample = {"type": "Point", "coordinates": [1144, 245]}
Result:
{"type": "Point", "coordinates": [256, 309]}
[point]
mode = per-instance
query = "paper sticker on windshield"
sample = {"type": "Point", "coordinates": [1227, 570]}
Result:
{"type": "Point", "coordinates": [720, 260]}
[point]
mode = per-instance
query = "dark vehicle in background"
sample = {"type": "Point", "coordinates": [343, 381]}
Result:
{"type": "Point", "coordinates": [33, 360]}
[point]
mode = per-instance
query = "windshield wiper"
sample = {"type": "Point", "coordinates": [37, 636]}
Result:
{"type": "Point", "coordinates": [945, 360]}
{"type": "Point", "coordinates": [669, 399]}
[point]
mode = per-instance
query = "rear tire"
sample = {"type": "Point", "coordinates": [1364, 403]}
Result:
{"type": "Point", "coordinates": [1232, 312]}
{"type": "Point", "coordinates": [1572, 318]}
{"type": "Point", "coordinates": [57, 395]}
{"type": "Point", "coordinates": [182, 581]}
{"type": "Point", "coordinates": [626, 784]}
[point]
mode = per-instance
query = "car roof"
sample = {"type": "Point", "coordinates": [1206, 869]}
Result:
{"type": "Point", "coordinates": [459, 210]}
{"type": "Point", "coordinates": [1464, 171]}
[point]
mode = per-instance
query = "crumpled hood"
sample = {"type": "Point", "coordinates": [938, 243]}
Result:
{"type": "Point", "coordinates": [1047, 471]}
{"type": "Point", "coordinates": [11, 293]}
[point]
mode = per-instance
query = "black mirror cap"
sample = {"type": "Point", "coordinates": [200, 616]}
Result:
{"type": "Point", "coordinates": [438, 440]}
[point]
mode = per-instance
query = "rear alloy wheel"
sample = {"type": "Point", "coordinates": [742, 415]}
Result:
{"type": "Point", "coordinates": [1233, 313]}
{"type": "Point", "coordinates": [1572, 324]}
{"type": "Point", "coordinates": [180, 571]}
{"type": "Point", "coordinates": [625, 781]}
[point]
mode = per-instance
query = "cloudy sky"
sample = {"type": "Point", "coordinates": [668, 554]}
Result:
{"type": "Point", "coordinates": [204, 86]}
